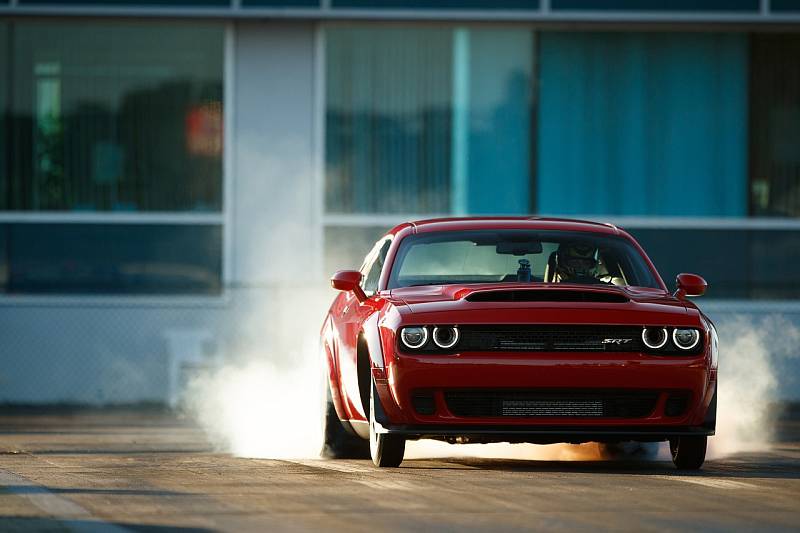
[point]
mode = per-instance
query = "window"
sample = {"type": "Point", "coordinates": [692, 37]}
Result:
{"type": "Point", "coordinates": [113, 116]}
{"type": "Point", "coordinates": [112, 259]}
{"type": "Point", "coordinates": [498, 256]}
{"type": "Point", "coordinates": [737, 263]}
{"type": "Point", "coordinates": [102, 119]}
{"type": "Point", "coordinates": [428, 119]}
{"type": "Point", "coordinates": [423, 120]}
{"type": "Point", "coordinates": [373, 273]}
{"type": "Point", "coordinates": [631, 122]}
{"type": "Point", "coordinates": [775, 125]}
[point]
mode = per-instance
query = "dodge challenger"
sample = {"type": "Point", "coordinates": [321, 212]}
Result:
{"type": "Point", "coordinates": [537, 330]}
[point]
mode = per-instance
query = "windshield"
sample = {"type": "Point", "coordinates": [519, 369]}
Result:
{"type": "Point", "coordinates": [513, 256]}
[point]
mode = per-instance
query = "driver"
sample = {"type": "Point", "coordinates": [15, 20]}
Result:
{"type": "Point", "coordinates": [576, 262]}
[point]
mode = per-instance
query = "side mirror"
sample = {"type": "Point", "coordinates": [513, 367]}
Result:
{"type": "Point", "coordinates": [690, 285]}
{"type": "Point", "coordinates": [349, 280]}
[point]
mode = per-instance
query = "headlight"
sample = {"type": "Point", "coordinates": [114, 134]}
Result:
{"type": "Point", "coordinates": [414, 337]}
{"type": "Point", "coordinates": [654, 338]}
{"type": "Point", "coordinates": [445, 337]}
{"type": "Point", "coordinates": [685, 338]}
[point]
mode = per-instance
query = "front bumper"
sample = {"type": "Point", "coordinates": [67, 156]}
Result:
{"type": "Point", "coordinates": [664, 376]}
{"type": "Point", "coordinates": [544, 434]}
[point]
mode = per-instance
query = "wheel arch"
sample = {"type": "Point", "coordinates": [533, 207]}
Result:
{"type": "Point", "coordinates": [363, 371]}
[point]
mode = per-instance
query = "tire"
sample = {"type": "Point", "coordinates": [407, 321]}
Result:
{"type": "Point", "coordinates": [386, 450]}
{"type": "Point", "coordinates": [339, 443]}
{"type": "Point", "coordinates": [688, 453]}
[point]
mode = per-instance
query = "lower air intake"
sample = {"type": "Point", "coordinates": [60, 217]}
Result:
{"type": "Point", "coordinates": [562, 404]}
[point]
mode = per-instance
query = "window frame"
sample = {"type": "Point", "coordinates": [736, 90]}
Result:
{"type": "Point", "coordinates": [375, 257]}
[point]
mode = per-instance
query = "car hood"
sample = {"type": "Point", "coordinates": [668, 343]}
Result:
{"type": "Point", "coordinates": [542, 303]}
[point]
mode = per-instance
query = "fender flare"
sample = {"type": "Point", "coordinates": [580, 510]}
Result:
{"type": "Point", "coordinates": [389, 404]}
{"type": "Point", "coordinates": [372, 336]}
{"type": "Point", "coordinates": [710, 421]}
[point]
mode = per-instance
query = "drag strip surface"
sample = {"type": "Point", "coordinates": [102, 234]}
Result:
{"type": "Point", "coordinates": [146, 471]}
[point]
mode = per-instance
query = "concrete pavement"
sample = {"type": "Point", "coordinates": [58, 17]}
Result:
{"type": "Point", "coordinates": [144, 471]}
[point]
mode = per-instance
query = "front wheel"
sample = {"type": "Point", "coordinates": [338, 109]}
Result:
{"type": "Point", "coordinates": [688, 453]}
{"type": "Point", "coordinates": [386, 450]}
{"type": "Point", "coordinates": [338, 443]}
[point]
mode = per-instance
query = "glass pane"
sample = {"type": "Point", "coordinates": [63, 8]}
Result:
{"type": "Point", "coordinates": [437, 4]}
{"type": "Point", "coordinates": [629, 122]}
{"type": "Point", "coordinates": [428, 119]}
{"type": "Point", "coordinates": [656, 5]}
{"type": "Point", "coordinates": [133, 3]}
{"type": "Point", "coordinates": [115, 116]}
{"type": "Point", "coordinates": [112, 259]}
{"type": "Point", "coordinates": [736, 263]}
{"type": "Point", "coordinates": [388, 119]}
{"type": "Point", "coordinates": [775, 125]}
{"type": "Point", "coordinates": [513, 256]}
{"type": "Point", "coordinates": [5, 149]}
{"type": "Point", "coordinates": [4, 258]}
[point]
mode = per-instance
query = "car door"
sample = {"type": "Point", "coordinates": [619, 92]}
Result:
{"type": "Point", "coordinates": [353, 315]}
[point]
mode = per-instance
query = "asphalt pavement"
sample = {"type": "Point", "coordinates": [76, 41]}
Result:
{"type": "Point", "coordinates": [144, 471]}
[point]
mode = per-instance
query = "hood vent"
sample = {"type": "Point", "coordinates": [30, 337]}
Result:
{"type": "Point", "coordinates": [547, 296]}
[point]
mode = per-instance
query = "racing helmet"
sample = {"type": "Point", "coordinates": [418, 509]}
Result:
{"type": "Point", "coordinates": [576, 260]}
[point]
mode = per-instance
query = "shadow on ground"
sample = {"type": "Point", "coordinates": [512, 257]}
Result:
{"type": "Point", "coordinates": [26, 523]}
{"type": "Point", "coordinates": [737, 466]}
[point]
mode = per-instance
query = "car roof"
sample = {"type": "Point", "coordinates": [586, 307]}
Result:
{"type": "Point", "coordinates": [530, 223]}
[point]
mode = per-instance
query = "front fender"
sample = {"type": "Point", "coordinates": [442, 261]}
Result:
{"type": "Point", "coordinates": [379, 333]}
{"type": "Point", "coordinates": [327, 350]}
{"type": "Point", "coordinates": [372, 337]}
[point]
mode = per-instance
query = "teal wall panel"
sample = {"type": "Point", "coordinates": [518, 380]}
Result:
{"type": "Point", "coordinates": [656, 5]}
{"type": "Point", "coordinates": [436, 4]}
{"type": "Point", "coordinates": [128, 3]}
{"type": "Point", "coordinates": [281, 3]}
{"type": "Point", "coordinates": [642, 124]}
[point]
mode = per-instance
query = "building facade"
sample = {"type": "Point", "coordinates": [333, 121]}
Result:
{"type": "Point", "coordinates": [175, 174]}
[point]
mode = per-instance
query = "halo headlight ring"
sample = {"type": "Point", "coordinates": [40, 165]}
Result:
{"type": "Point", "coordinates": [694, 335]}
{"type": "Point", "coordinates": [414, 337]}
{"type": "Point", "coordinates": [451, 338]}
{"type": "Point", "coordinates": [654, 344]}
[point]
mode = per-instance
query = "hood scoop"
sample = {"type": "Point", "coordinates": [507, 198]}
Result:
{"type": "Point", "coordinates": [528, 295]}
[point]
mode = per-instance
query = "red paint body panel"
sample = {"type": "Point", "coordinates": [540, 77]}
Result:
{"type": "Point", "coordinates": [403, 372]}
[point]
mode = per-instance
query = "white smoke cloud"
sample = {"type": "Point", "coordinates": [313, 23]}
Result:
{"type": "Point", "coordinates": [752, 355]}
{"type": "Point", "coordinates": [267, 399]}
{"type": "Point", "coordinates": [257, 409]}
{"type": "Point", "coordinates": [264, 395]}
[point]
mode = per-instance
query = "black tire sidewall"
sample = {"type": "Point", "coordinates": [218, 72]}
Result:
{"type": "Point", "coordinates": [385, 450]}
{"type": "Point", "coordinates": [688, 453]}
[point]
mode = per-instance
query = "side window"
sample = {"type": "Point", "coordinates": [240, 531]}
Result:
{"type": "Point", "coordinates": [373, 274]}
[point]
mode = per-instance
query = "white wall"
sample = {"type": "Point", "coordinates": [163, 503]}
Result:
{"type": "Point", "coordinates": [274, 193]}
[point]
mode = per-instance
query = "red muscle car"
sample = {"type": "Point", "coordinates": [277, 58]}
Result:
{"type": "Point", "coordinates": [536, 330]}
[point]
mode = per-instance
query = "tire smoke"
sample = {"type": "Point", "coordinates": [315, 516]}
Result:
{"type": "Point", "coordinates": [270, 402]}
{"type": "Point", "coordinates": [264, 396]}
{"type": "Point", "coordinates": [751, 362]}
{"type": "Point", "coordinates": [257, 409]}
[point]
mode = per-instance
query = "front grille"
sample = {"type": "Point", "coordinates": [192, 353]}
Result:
{"type": "Point", "coordinates": [566, 404]}
{"type": "Point", "coordinates": [545, 338]}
